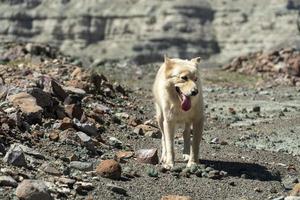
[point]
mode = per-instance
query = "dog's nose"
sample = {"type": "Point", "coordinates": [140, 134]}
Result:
{"type": "Point", "coordinates": [194, 92]}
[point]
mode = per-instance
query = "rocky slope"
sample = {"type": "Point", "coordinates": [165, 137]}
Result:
{"type": "Point", "coordinates": [143, 30]}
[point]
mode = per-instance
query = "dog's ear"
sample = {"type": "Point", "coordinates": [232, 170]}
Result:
{"type": "Point", "coordinates": [196, 60]}
{"type": "Point", "coordinates": [168, 62]}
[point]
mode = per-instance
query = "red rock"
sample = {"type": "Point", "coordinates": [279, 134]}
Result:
{"type": "Point", "coordinates": [123, 155]}
{"type": "Point", "coordinates": [32, 190]}
{"type": "Point", "coordinates": [147, 156]}
{"type": "Point", "coordinates": [176, 197]}
{"type": "Point", "coordinates": [109, 169]}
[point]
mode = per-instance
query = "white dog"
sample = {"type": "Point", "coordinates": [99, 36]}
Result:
{"type": "Point", "coordinates": [178, 99]}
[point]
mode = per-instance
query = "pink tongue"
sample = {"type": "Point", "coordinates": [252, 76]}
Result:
{"type": "Point", "coordinates": [186, 102]}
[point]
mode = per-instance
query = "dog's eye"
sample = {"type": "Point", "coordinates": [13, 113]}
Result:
{"type": "Point", "coordinates": [196, 78]}
{"type": "Point", "coordinates": [184, 78]}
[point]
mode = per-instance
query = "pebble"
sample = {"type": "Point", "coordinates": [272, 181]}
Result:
{"type": "Point", "coordinates": [82, 166]}
{"type": "Point", "coordinates": [152, 172]}
{"type": "Point", "coordinates": [15, 156]}
{"type": "Point", "coordinates": [87, 128]}
{"type": "Point", "coordinates": [8, 181]}
{"type": "Point", "coordinates": [33, 190]}
{"type": "Point", "coordinates": [148, 156]}
{"type": "Point", "coordinates": [116, 189]}
{"type": "Point", "coordinates": [109, 169]}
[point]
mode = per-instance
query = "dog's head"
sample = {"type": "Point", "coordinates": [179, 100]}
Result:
{"type": "Point", "coordinates": [183, 76]}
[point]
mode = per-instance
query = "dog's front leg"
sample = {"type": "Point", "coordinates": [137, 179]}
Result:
{"type": "Point", "coordinates": [187, 141]}
{"type": "Point", "coordinates": [197, 136]}
{"type": "Point", "coordinates": [169, 128]}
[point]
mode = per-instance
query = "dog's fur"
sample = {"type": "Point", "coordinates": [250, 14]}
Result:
{"type": "Point", "coordinates": [177, 79]}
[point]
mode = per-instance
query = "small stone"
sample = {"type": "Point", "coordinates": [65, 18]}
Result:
{"type": "Point", "coordinates": [232, 183]}
{"type": "Point", "coordinates": [152, 172]}
{"type": "Point", "coordinates": [116, 189]}
{"type": "Point", "coordinates": [115, 142]}
{"type": "Point", "coordinates": [256, 109]}
{"type": "Point", "coordinates": [8, 181]}
{"type": "Point", "coordinates": [147, 156]}
{"type": "Point", "coordinates": [148, 131]}
{"type": "Point", "coordinates": [15, 156]}
{"type": "Point", "coordinates": [50, 169]}
{"type": "Point", "coordinates": [87, 128]}
{"type": "Point", "coordinates": [71, 89]}
{"type": "Point", "coordinates": [257, 189]}
{"type": "Point", "coordinates": [176, 197]}
{"type": "Point", "coordinates": [86, 141]}
{"type": "Point", "coordinates": [296, 190]}
{"type": "Point", "coordinates": [193, 169]}
{"type": "Point", "coordinates": [66, 123]}
{"type": "Point", "coordinates": [68, 181]}
{"type": "Point", "coordinates": [82, 166]}
{"type": "Point", "coordinates": [54, 136]}
{"type": "Point", "coordinates": [83, 188]}
{"type": "Point", "coordinates": [109, 169]}
{"type": "Point", "coordinates": [33, 190]}
{"type": "Point", "coordinates": [58, 90]}
{"type": "Point", "coordinates": [214, 174]}
{"type": "Point", "coordinates": [124, 155]}
{"type": "Point", "coordinates": [43, 99]}
{"type": "Point", "coordinates": [28, 105]}
{"type": "Point", "coordinates": [177, 169]}
{"type": "Point", "coordinates": [138, 131]}
{"type": "Point", "coordinates": [74, 111]}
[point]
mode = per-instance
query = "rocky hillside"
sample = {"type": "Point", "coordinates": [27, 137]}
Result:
{"type": "Point", "coordinates": [143, 30]}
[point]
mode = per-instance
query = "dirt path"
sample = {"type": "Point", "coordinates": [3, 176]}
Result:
{"type": "Point", "coordinates": [251, 133]}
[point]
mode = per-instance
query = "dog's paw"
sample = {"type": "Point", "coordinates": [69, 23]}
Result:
{"type": "Point", "coordinates": [190, 164]}
{"type": "Point", "coordinates": [186, 157]}
{"type": "Point", "coordinates": [168, 166]}
{"type": "Point", "coordinates": [162, 159]}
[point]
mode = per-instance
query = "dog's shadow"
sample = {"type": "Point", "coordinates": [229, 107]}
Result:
{"type": "Point", "coordinates": [246, 170]}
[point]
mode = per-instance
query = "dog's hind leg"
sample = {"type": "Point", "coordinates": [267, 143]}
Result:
{"type": "Point", "coordinates": [197, 136]}
{"type": "Point", "coordinates": [160, 120]}
{"type": "Point", "coordinates": [187, 141]}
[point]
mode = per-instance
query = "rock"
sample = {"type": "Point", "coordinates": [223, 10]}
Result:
{"type": "Point", "coordinates": [214, 174]}
{"type": "Point", "coordinates": [147, 156]}
{"type": "Point", "coordinates": [87, 128]}
{"type": "Point", "coordinates": [101, 109]}
{"type": "Point", "coordinates": [115, 142]}
{"type": "Point", "coordinates": [152, 172]}
{"type": "Point", "coordinates": [256, 109]}
{"type": "Point", "coordinates": [124, 155]}
{"type": "Point", "coordinates": [176, 197]}
{"type": "Point", "coordinates": [15, 156]}
{"type": "Point", "coordinates": [66, 123]}
{"type": "Point", "coordinates": [29, 151]}
{"type": "Point", "coordinates": [68, 181]}
{"type": "Point", "coordinates": [86, 141]}
{"type": "Point", "coordinates": [43, 98]}
{"type": "Point", "coordinates": [116, 189]}
{"type": "Point", "coordinates": [8, 181]}
{"type": "Point", "coordinates": [74, 111]}
{"type": "Point", "coordinates": [292, 198]}
{"type": "Point", "coordinates": [296, 190]}
{"type": "Point", "coordinates": [50, 169]}
{"type": "Point", "coordinates": [28, 105]}
{"type": "Point", "coordinates": [83, 188]}
{"type": "Point", "coordinates": [54, 136]}
{"type": "Point", "coordinates": [147, 130]}
{"type": "Point", "coordinates": [82, 166]}
{"type": "Point", "coordinates": [58, 90]}
{"type": "Point", "coordinates": [109, 169]}
{"type": "Point", "coordinates": [33, 190]}
{"type": "Point", "coordinates": [74, 90]}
